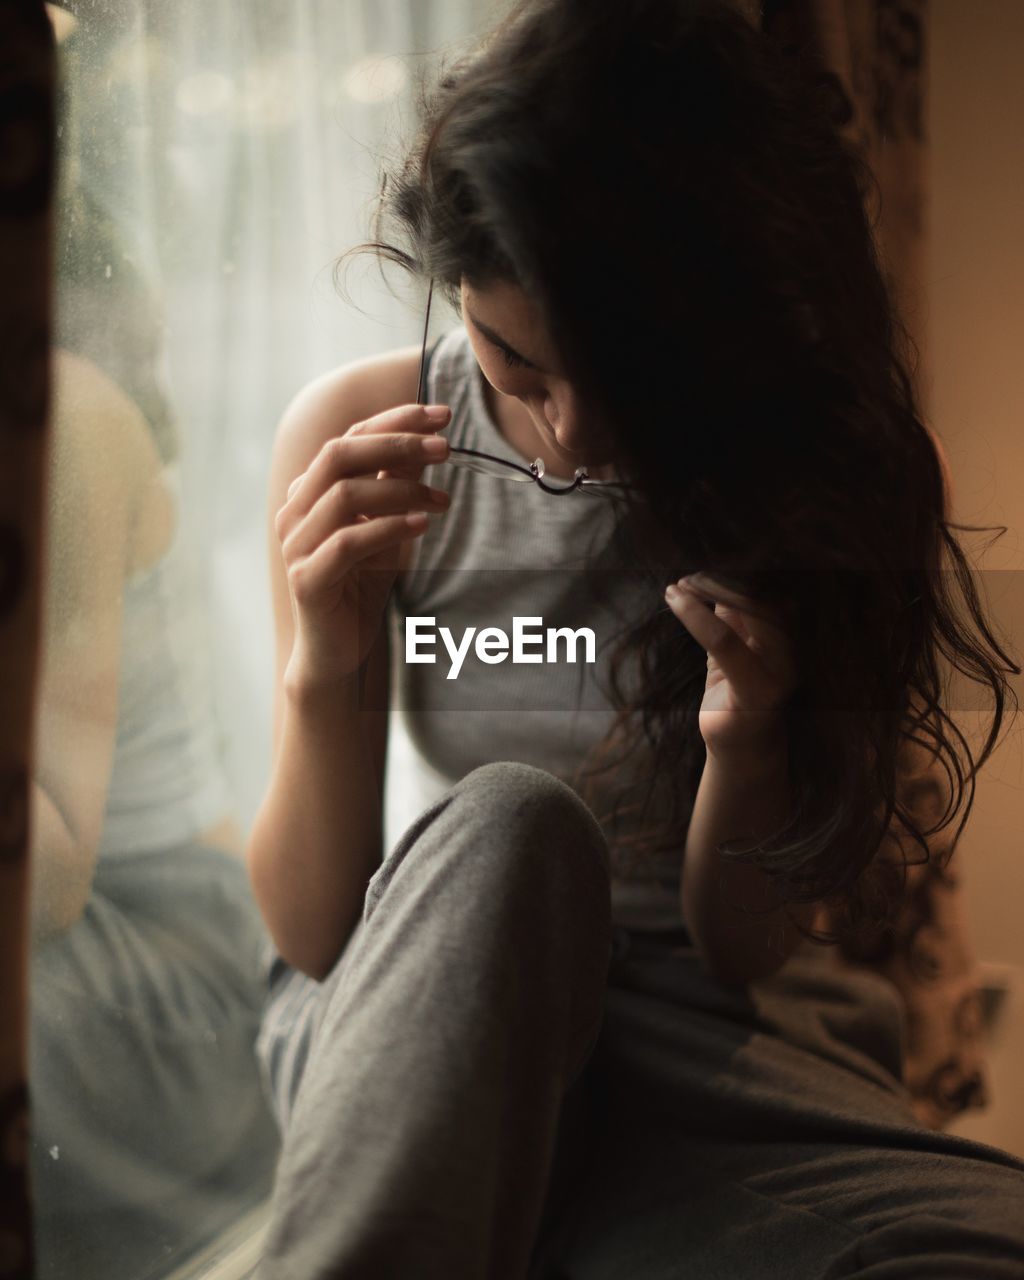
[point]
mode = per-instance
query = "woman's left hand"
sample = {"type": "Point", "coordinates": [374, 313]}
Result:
{"type": "Point", "coordinates": [751, 671]}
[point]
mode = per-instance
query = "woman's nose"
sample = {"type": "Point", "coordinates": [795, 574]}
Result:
{"type": "Point", "coordinates": [562, 415]}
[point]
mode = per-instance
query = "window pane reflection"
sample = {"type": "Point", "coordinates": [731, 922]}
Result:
{"type": "Point", "coordinates": [151, 1134]}
{"type": "Point", "coordinates": [214, 162]}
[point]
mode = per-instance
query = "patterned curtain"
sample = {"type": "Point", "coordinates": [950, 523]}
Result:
{"type": "Point", "coordinates": [26, 177]}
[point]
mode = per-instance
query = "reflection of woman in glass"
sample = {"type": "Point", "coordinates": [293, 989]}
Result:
{"type": "Point", "coordinates": [665, 270]}
{"type": "Point", "coordinates": [149, 1130]}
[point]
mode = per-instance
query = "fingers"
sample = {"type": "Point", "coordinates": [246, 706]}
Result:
{"type": "Point", "coordinates": [761, 629]}
{"type": "Point", "coordinates": [400, 439]}
{"type": "Point", "coordinates": [343, 459]}
{"type": "Point", "coordinates": [361, 494]}
{"type": "Point", "coordinates": [753, 650]}
{"type": "Point", "coordinates": [350, 501]}
{"type": "Point", "coordinates": [312, 577]}
{"type": "Point", "coordinates": [406, 417]}
{"type": "Point", "coordinates": [722, 641]}
{"type": "Point", "coordinates": [708, 589]}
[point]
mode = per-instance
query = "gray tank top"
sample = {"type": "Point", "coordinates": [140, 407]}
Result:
{"type": "Point", "coordinates": [504, 551]}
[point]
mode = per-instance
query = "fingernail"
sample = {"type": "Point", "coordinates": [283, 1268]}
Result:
{"type": "Point", "coordinates": [435, 446]}
{"type": "Point", "coordinates": [671, 591]}
{"type": "Point", "coordinates": [436, 412]}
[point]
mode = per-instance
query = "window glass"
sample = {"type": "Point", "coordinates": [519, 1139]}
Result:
{"type": "Point", "coordinates": [214, 162]}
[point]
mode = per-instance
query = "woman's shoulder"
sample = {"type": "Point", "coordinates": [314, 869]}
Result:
{"type": "Point", "coordinates": [102, 423]}
{"type": "Point", "coordinates": [106, 474]}
{"type": "Point", "coordinates": [359, 389]}
{"type": "Point", "coordinates": [353, 392]}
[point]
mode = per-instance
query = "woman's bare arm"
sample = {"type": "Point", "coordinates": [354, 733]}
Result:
{"type": "Point", "coordinates": [730, 909]}
{"type": "Point", "coordinates": [102, 464]}
{"type": "Point", "coordinates": [317, 838]}
{"type": "Point", "coordinates": [742, 929]}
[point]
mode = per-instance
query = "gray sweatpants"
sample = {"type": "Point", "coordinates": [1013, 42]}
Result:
{"type": "Point", "coordinates": [501, 1084]}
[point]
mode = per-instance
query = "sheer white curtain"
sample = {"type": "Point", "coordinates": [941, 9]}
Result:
{"type": "Point", "coordinates": [215, 161]}
{"type": "Point", "coordinates": [240, 142]}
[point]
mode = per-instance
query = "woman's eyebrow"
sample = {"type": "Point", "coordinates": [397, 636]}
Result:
{"type": "Point", "coordinates": [498, 340]}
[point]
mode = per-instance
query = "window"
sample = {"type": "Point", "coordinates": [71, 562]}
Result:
{"type": "Point", "coordinates": [214, 162]}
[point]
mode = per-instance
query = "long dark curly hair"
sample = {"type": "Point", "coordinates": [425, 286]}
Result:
{"type": "Point", "coordinates": [672, 188]}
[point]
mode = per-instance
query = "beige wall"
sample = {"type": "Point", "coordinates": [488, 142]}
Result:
{"type": "Point", "coordinates": [975, 337]}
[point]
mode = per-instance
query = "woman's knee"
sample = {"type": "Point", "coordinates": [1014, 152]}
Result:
{"type": "Point", "coordinates": [504, 827]}
{"type": "Point", "coordinates": [516, 799]}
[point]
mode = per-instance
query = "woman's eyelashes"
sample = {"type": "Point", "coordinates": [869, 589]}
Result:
{"type": "Point", "coordinates": [511, 358]}
{"type": "Point", "coordinates": [512, 361]}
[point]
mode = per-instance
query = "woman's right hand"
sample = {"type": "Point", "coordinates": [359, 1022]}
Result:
{"type": "Point", "coordinates": [341, 530]}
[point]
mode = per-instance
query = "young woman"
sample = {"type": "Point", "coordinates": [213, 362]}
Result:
{"type": "Point", "coordinates": [543, 1033]}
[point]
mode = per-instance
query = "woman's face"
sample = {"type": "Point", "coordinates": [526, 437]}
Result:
{"type": "Point", "coordinates": [518, 359]}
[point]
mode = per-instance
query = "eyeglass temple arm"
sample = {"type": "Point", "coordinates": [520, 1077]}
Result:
{"type": "Point", "coordinates": [421, 389]}
{"type": "Point", "coordinates": [491, 457]}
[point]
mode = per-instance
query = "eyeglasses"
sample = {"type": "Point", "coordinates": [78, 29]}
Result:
{"type": "Point", "coordinates": [489, 464]}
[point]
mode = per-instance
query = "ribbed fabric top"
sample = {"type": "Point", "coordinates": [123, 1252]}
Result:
{"type": "Point", "coordinates": [501, 551]}
{"type": "Point", "coordinates": [168, 780]}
